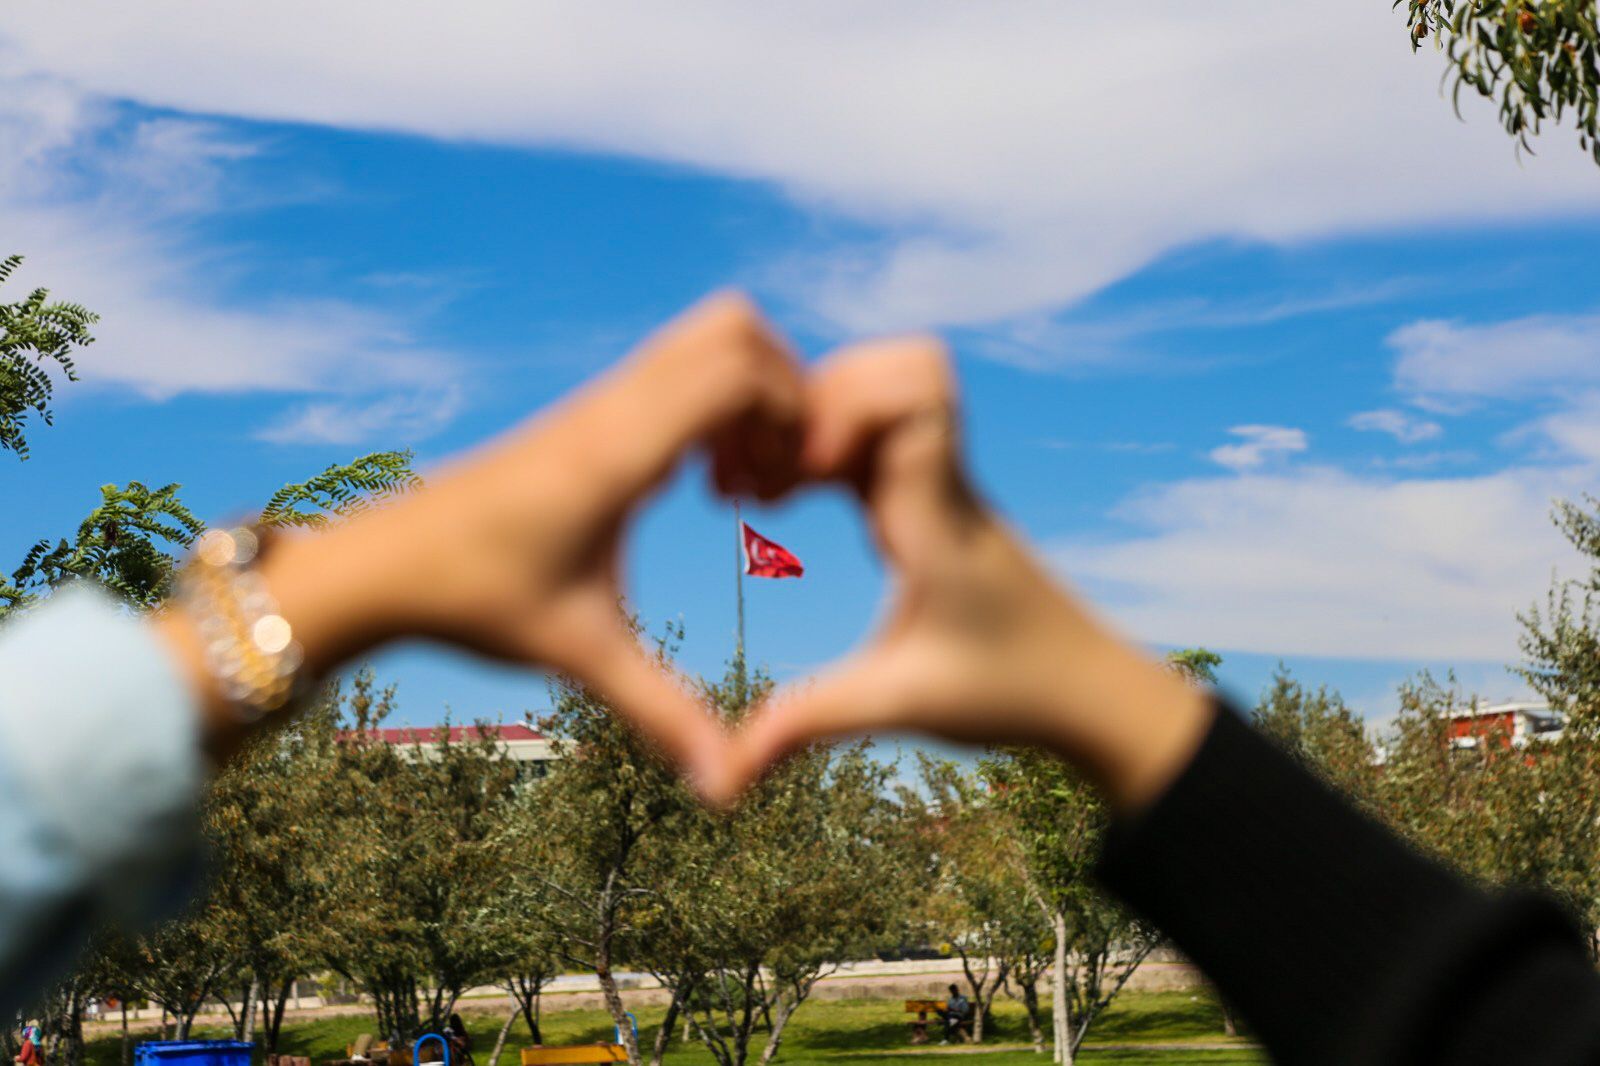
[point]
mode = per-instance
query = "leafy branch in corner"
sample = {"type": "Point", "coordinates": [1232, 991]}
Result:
{"type": "Point", "coordinates": [131, 541]}
{"type": "Point", "coordinates": [33, 333]}
{"type": "Point", "coordinates": [1538, 59]}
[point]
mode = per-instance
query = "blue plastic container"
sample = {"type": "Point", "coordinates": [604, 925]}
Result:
{"type": "Point", "coordinates": [193, 1053]}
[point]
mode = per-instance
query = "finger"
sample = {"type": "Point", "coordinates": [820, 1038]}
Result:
{"type": "Point", "coordinates": [756, 456]}
{"type": "Point", "coordinates": [858, 695]}
{"type": "Point", "coordinates": [718, 367]}
{"type": "Point", "coordinates": [645, 691]}
{"type": "Point", "coordinates": [883, 417]}
{"type": "Point", "coordinates": [860, 392]}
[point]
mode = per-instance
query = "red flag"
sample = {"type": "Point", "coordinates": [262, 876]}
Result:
{"type": "Point", "coordinates": [767, 558]}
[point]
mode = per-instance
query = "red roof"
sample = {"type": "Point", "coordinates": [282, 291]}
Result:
{"type": "Point", "coordinates": [458, 733]}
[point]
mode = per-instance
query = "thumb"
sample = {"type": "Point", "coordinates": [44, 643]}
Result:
{"type": "Point", "coordinates": [858, 695]}
{"type": "Point", "coordinates": [650, 696]}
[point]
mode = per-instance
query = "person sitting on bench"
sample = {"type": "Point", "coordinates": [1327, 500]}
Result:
{"type": "Point", "coordinates": [957, 1012]}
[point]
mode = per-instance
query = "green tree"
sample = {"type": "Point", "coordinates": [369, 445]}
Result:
{"type": "Point", "coordinates": [982, 899]}
{"type": "Point", "coordinates": [1561, 642]}
{"type": "Point", "coordinates": [183, 962]}
{"type": "Point", "coordinates": [1537, 59]}
{"type": "Point", "coordinates": [414, 886]}
{"type": "Point", "coordinates": [128, 544]}
{"type": "Point", "coordinates": [1060, 823]}
{"type": "Point", "coordinates": [266, 820]}
{"type": "Point", "coordinates": [751, 908]}
{"type": "Point", "coordinates": [613, 798]}
{"type": "Point", "coordinates": [1199, 665]}
{"type": "Point", "coordinates": [34, 332]}
{"type": "Point", "coordinates": [1320, 731]}
{"type": "Point", "coordinates": [1507, 815]}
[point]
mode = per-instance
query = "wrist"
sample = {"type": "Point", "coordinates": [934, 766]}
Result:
{"type": "Point", "coordinates": [339, 591]}
{"type": "Point", "coordinates": [1130, 722]}
{"type": "Point", "coordinates": [330, 590]}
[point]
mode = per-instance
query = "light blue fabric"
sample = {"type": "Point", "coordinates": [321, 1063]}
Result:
{"type": "Point", "coordinates": [100, 771]}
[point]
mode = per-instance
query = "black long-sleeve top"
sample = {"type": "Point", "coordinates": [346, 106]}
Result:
{"type": "Point", "coordinates": [1334, 940]}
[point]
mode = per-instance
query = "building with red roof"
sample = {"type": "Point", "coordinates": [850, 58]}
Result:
{"type": "Point", "coordinates": [520, 744]}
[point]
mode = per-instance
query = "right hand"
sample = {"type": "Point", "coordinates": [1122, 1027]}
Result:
{"type": "Point", "coordinates": [980, 644]}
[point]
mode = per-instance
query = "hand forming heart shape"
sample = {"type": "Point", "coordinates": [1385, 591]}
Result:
{"type": "Point", "coordinates": [514, 552]}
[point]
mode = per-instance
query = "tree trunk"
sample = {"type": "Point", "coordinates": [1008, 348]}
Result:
{"type": "Point", "coordinates": [526, 991]}
{"type": "Point", "coordinates": [664, 1034]}
{"type": "Point", "coordinates": [72, 1026]}
{"type": "Point", "coordinates": [1030, 1005]}
{"type": "Point", "coordinates": [975, 981]}
{"type": "Point", "coordinates": [786, 1009]}
{"type": "Point", "coordinates": [619, 1013]}
{"type": "Point", "coordinates": [127, 1045]}
{"type": "Point", "coordinates": [500, 1041]}
{"type": "Point", "coordinates": [249, 1034]}
{"type": "Point", "coordinates": [985, 1000]}
{"type": "Point", "coordinates": [1229, 1026]}
{"type": "Point", "coordinates": [1063, 1021]}
{"type": "Point", "coordinates": [272, 1020]}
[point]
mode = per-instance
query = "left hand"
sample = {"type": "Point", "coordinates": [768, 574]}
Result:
{"type": "Point", "coordinates": [514, 551]}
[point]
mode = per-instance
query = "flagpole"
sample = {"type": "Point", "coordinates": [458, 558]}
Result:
{"type": "Point", "coordinates": [738, 582]}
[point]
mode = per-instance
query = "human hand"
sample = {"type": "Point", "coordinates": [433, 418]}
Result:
{"type": "Point", "coordinates": [514, 551]}
{"type": "Point", "coordinates": [980, 644]}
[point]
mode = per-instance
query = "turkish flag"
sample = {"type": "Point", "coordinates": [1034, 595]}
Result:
{"type": "Point", "coordinates": [767, 558]}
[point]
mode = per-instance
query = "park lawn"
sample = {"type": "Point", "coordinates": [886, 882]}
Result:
{"type": "Point", "coordinates": [841, 1032]}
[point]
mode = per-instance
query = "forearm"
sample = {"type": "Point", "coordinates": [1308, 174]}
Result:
{"type": "Point", "coordinates": [1129, 721]}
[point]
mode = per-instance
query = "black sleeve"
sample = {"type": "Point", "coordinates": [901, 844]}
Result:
{"type": "Point", "coordinates": [1335, 941]}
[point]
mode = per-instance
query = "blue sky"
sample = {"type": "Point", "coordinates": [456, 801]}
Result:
{"type": "Point", "coordinates": [1296, 384]}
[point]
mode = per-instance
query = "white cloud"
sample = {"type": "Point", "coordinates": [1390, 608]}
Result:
{"type": "Point", "coordinates": [398, 421]}
{"type": "Point", "coordinates": [1451, 365]}
{"type": "Point", "coordinates": [1570, 433]}
{"type": "Point", "coordinates": [101, 207]}
{"type": "Point", "coordinates": [1260, 444]}
{"type": "Point", "coordinates": [1429, 460]}
{"type": "Point", "coordinates": [1320, 562]}
{"type": "Point", "coordinates": [1402, 426]}
{"type": "Point", "coordinates": [1020, 155]}
{"type": "Point", "coordinates": [1087, 339]}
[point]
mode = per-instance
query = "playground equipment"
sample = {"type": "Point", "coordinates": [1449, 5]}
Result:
{"type": "Point", "coordinates": [579, 1053]}
{"type": "Point", "coordinates": [582, 1053]}
{"type": "Point", "coordinates": [416, 1049]}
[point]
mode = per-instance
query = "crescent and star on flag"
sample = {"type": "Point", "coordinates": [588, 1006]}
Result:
{"type": "Point", "coordinates": [758, 556]}
{"type": "Point", "coordinates": [764, 557]}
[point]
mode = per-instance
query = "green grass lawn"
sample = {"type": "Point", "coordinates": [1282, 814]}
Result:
{"type": "Point", "coordinates": [840, 1032]}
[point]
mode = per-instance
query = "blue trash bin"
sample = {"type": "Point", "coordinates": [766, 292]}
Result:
{"type": "Point", "coordinates": [193, 1053]}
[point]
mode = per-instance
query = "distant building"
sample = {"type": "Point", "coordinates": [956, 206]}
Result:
{"type": "Point", "coordinates": [1514, 725]}
{"type": "Point", "coordinates": [532, 751]}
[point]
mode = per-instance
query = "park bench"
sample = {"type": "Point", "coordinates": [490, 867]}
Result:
{"type": "Point", "coordinates": [578, 1053]}
{"type": "Point", "coordinates": [922, 1008]}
